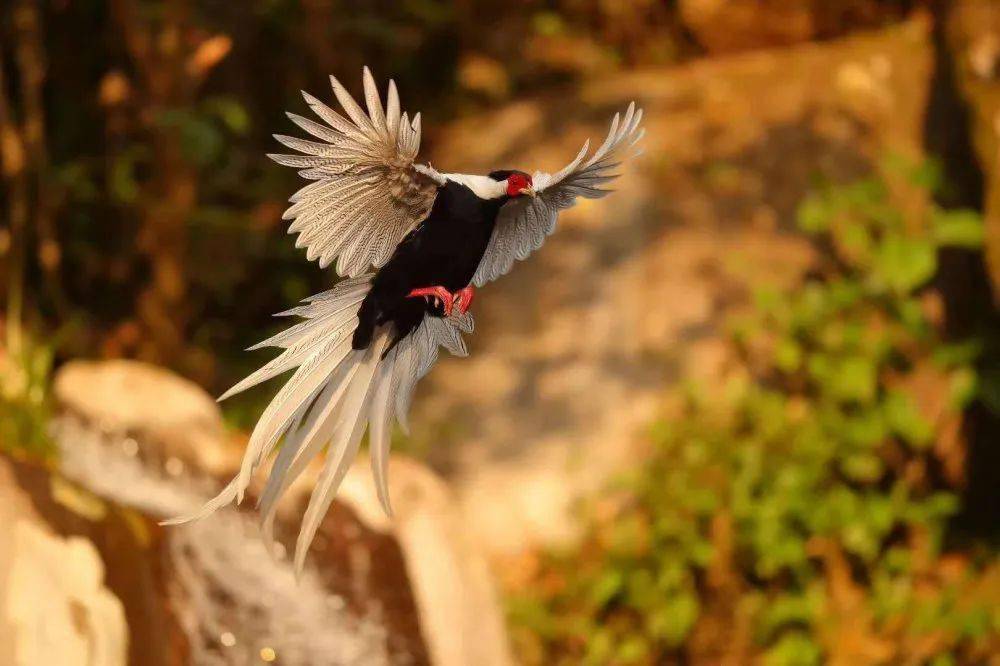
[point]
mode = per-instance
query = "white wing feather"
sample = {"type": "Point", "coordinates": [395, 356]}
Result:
{"type": "Point", "coordinates": [368, 193]}
{"type": "Point", "coordinates": [525, 222]}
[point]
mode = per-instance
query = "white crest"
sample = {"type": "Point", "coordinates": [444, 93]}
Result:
{"type": "Point", "coordinates": [483, 187]}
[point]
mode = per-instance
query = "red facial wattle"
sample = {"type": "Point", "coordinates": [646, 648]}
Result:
{"type": "Point", "coordinates": [517, 182]}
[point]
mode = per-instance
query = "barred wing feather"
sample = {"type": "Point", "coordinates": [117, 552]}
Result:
{"type": "Point", "coordinates": [367, 192]}
{"type": "Point", "coordinates": [525, 222]}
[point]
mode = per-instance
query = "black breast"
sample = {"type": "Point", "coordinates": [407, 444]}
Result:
{"type": "Point", "coordinates": [445, 249]}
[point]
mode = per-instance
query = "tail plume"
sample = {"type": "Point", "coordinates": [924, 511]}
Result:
{"type": "Point", "coordinates": [334, 395]}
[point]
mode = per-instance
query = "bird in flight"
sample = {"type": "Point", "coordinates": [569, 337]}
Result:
{"type": "Point", "coordinates": [411, 245]}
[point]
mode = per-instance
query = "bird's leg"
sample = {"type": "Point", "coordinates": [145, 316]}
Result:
{"type": "Point", "coordinates": [463, 298]}
{"type": "Point", "coordinates": [438, 293]}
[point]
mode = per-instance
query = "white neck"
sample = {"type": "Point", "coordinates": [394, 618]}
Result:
{"type": "Point", "coordinates": [483, 187]}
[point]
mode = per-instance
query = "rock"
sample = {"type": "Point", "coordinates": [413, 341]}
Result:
{"type": "Point", "coordinates": [58, 608]}
{"type": "Point", "coordinates": [460, 615]}
{"type": "Point", "coordinates": [174, 420]}
{"type": "Point", "coordinates": [205, 593]}
{"type": "Point", "coordinates": [722, 26]}
{"type": "Point", "coordinates": [413, 588]}
{"type": "Point", "coordinates": [80, 581]}
{"type": "Point", "coordinates": [237, 600]}
{"type": "Point", "coordinates": [575, 348]}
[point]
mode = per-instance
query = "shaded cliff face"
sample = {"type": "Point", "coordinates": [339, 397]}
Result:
{"type": "Point", "coordinates": [573, 349]}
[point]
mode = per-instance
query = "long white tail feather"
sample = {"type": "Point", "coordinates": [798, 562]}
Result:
{"type": "Point", "coordinates": [294, 356]}
{"type": "Point", "coordinates": [379, 434]}
{"type": "Point", "coordinates": [308, 441]}
{"type": "Point", "coordinates": [334, 395]}
{"type": "Point", "coordinates": [331, 311]}
{"type": "Point", "coordinates": [403, 369]}
{"type": "Point", "coordinates": [226, 496]}
{"type": "Point", "coordinates": [350, 427]}
{"type": "Point", "coordinates": [306, 445]}
{"type": "Point", "coordinates": [279, 413]}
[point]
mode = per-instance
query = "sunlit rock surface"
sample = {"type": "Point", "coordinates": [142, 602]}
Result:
{"type": "Point", "coordinates": [411, 590]}
{"type": "Point", "coordinates": [55, 607]}
{"type": "Point", "coordinates": [178, 423]}
{"type": "Point", "coordinates": [81, 581]}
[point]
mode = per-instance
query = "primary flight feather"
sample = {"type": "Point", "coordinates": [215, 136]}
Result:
{"type": "Point", "coordinates": [412, 244]}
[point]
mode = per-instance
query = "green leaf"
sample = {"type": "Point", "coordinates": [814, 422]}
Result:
{"type": "Point", "coordinates": [929, 175]}
{"type": "Point", "coordinates": [201, 142]}
{"type": "Point", "coordinates": [674, 620]}
{"type": "Point", "coordinates": [989, 390]}
{"type": "Point", "coordinates": [958, 228]}
{"type": "Point", "coordinates": [788, 355]}
{"type": "Point", "coordinates": [607, 586]}
{"type": "Point", "coordinates": [865, 467]}
{"type": "Point", "coordinates": [600, 647]}
{"type": "Point", "coordinates": [853, 379]}
{"type": "Point", "coordinates": [548, 24]}
{"type": "Point", "coordinates": [905, 420]}
{"type": "Point", "coordinates": [232, 114]}
{"type": "Point", "coordinates": [123, 183]}
{"type": "Point", "coordinates": [794, 649]}
{"type": "Point", "coordinates": [789, 609]}
{"type": "Point", "coordinates": [633, 650]}
{"type": "Point", "coordinates": [813, 215]}
{"type": "Point", "coordinates": [958, 353]}
{"type": "Point", "coordinates": [903, 264]}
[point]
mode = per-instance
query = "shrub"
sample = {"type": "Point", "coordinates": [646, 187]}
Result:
{"type": "Point", "coordinates": [25, 366]}
{"type": "Point", "coordinates": [799, 517]}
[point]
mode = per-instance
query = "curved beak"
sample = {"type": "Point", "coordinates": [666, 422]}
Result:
{"type": "Point", "coordinates": [529, 190]}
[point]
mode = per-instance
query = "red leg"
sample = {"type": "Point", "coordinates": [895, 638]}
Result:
{"type": "Point", "coordinates": [437, 292]}
{"type": "Point", "coordinates": [463, 298]}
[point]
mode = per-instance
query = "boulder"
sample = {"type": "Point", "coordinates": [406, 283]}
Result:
{"type": "Point", "coordinates": [412, 589]}
{"type": "Point", "coordinates": [176, 421]}
{"type": "Point", "coordinates": [80, 579]}
{"type": "Point", "coordinates": [85, 580]}
{"type": "Point", "coordinates": [460, 614]}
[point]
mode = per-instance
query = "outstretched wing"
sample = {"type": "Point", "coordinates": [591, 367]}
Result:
{"type": "Point", "coordinates": [368, 193]}
{"type": "Point", "coordinates": [524, 222]}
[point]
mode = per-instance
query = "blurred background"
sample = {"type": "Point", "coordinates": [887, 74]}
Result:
{"type": "Point", "coordinates": [746, 410]}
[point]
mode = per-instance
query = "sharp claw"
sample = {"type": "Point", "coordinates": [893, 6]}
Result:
{"type": "Point", "coordinates": [442, 298]}
{"type": "Point", "coordinates": [463, 298]}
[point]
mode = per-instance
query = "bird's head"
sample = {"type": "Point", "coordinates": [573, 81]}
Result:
{"type": "Point", "coordinates": [518, 182]}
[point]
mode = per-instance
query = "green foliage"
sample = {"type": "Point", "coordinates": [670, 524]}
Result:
{"type": "Point", "coordinates": [807, 482]}
{"type": "Point", "coordinates": [25, 367]}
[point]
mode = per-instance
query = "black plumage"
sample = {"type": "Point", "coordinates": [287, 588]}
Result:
{"type": "Point", "coordinates": [443, 250]}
